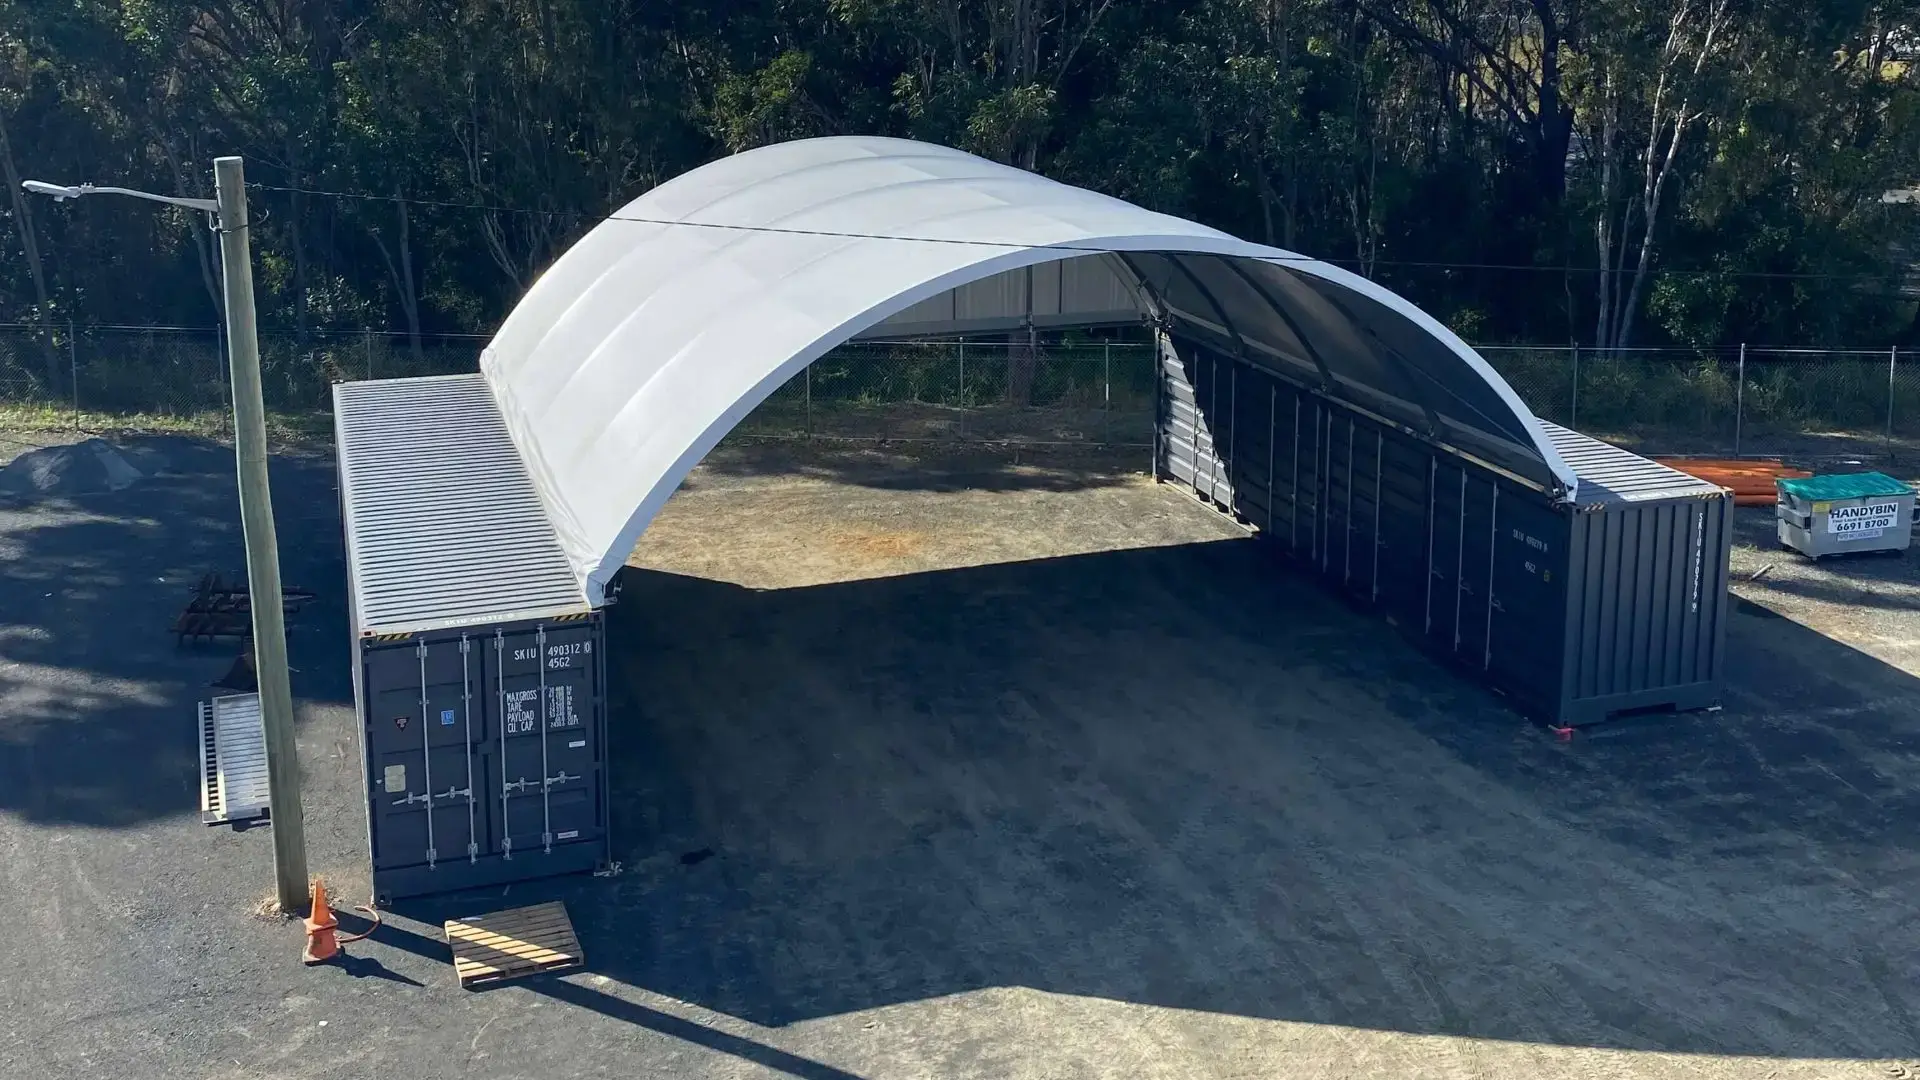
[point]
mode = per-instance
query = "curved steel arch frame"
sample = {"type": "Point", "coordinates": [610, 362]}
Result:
{"type": "Point", "coordinates": [663, 327]}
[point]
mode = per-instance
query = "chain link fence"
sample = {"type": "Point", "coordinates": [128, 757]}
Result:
{"type": "Point", "coordinates": [1735, 401]}
{"type": "Point", "coordinates": [1731, 401]}
{"type": "Point", "coordinates": [158, 378]}
{"type": "Point", "coordinates": [968, 391]}
{"type": "Point", "coordinates": [175, 378]}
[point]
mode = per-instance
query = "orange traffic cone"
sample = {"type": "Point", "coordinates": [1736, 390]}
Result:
{"type": "Point", "coordinates": [323, 944]}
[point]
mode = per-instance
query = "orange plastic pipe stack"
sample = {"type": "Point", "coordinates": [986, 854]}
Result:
{"type": "Point", "coordinates": [1750, 479]}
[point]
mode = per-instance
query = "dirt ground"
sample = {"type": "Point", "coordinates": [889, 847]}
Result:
{"type": "Point", "coordinates": [960, 767]}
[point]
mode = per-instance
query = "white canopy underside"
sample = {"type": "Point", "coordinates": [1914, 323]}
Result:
{"type": "Point", "coordinates": [647, 341]}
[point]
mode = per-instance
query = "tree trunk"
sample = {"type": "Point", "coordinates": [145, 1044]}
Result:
{"type": "Point", "coordinates": [1555, 119]}
{"type": "Point", "coordinates": [1660, 165]}
{"type": "Point", "coordinates": [30, 244]}
{"type": "Point", "coordinates": [1603, 221]}
{"type": "Point", "coordinates": [1022, 358]}
{"type": "Point", "coordinates": [299, 248]}
{"type": "Point", "coordinates": [202, 243]}
{"type": "Point", "coordinates": [409, 290]}
{"type": "Point", "coordinates": [1650, 218]}
{"type": "Point", "coordinates": [1266, 206]}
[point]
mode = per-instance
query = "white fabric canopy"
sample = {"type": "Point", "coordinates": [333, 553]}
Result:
{"type": "Point", "coordinates": [648, 340]}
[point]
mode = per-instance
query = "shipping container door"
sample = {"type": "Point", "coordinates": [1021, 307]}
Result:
{"type": "Point", "coordinates": [1405, 472]}
{"type": "Point", "coordinates": [1186, 444]}
{"type": "Point", "coordinates": [1292, 415]}
{"type": "Point", "coordinates": [1474, 619]}
{"type": "Point", "coordinates": [1346, 475]}
{"type": "Point", "coordinates": [1253, 457]}
{"type": "Point", "coordinates": [1200, 367]}
{"type": "Point", "coordinates": [1446, 528]}
{"type": "Point", "coordinates": [547, 689]}
{"type": "Point", "coordinates": [1222, 404]}
{"type": "Point", "coordinates": [1369, 452]}
{"type": "Point", "coordinates": [1529, 588]}
{"type": "Point", "coordinates": [1313, 491]}
{"type": "Point", "coordinates": [426, 741]}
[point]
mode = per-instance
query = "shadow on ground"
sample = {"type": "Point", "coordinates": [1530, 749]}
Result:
{"type": "Point", "coordinates": [1884, 580]}
{"type": "Point", "coordinates": [1177, 777]}
{"type": "Point", "coordinates": [1184, 778]}
{"type": "Point", "coordinates": [100, 728]}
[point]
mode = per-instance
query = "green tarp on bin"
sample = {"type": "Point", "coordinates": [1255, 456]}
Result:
{"type": "Point", "coordinates": [1866, 485]}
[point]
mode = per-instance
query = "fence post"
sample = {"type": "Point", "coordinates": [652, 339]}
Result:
{"type": "Point", "coordinates": [1106, 394]}
{"type": "Point", "coordinates": [73, 373]}
{"type": "Point", "coordinates": [1573, 414]}
{"type": "Point", "coordinates": [962, 422]}
{"type": "Point", "coordinates": [1893, 360]}
{"type": "Point", "coordinates": [1739, 397]}
{"type": "Point", "coordinates": [369, 333]}
{"type": "Point", "coordinates": [806, 428]}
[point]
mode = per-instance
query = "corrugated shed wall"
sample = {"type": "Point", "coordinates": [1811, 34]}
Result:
{"type": "Point", "coordinates": [1083, 291]}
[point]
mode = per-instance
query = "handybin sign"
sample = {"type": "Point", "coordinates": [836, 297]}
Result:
{"type": "Point", "coordinates": [1867, 521]}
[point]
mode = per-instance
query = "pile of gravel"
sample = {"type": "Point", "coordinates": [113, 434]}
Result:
{"type": "Point", "coordinates": [80, 469]}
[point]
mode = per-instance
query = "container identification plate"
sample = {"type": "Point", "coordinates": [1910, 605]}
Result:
{"type": "Point", "coordinates": [396, 779]}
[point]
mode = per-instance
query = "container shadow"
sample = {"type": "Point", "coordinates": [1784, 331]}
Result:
{"type": "Point", "coordinates": [560, 988]}
{"type": "Point", "coordinates": [1184, 777]}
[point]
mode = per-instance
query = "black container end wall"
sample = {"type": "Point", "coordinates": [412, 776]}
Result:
{"type": "Point", "coordinates": [1573, 611]}
{"type": "Point", "coordinates": [1647, 608]}
{"type": "Point", "coordinates": [485, 755]}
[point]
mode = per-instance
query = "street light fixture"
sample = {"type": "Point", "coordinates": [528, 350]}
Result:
{"type": "Point", "coordinates": [256, 512]}
{"type": "Point", "coordinates": [63, 192]}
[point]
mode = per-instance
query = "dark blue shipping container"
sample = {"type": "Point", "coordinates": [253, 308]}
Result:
{"type": "Point", "coordinates": [1576, 610]}
{"type": "Point", "coordinates": [479, 669]}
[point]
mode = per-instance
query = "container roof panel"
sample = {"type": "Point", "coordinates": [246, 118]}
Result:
{"type": "Point", "coordinates": [444, 527]}
{"type": "Point", "coordinates": [1610, 474]}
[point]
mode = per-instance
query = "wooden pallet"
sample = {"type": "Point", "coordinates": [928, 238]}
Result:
{"type": "Point", "coordinates": [512, 944]}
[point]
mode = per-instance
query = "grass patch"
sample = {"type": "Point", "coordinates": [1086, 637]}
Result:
{"type": "Point", "coordinates": [285, 430]}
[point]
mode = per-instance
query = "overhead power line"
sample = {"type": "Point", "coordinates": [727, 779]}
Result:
{"type": "Point", "coordinates": [732, 226]}
{"type": "Point", "coordinates": [1090, 249]}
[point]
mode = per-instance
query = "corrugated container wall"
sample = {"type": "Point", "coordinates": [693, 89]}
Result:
{"type": "Point", "coordinates": [477, 665]}
{"type": "Point", "coordinates": [1575, 611]}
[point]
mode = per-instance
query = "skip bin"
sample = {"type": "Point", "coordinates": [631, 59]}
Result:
{"type": "Point", "coordinates": [1613, 599]}
{"type": "Point", "coordinates": [1837, 515]}
{"type": "Point", "coordinates": [479, 670]}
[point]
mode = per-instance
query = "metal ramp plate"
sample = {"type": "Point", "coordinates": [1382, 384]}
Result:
{"type": "Point", "coordinates": [233, 760]}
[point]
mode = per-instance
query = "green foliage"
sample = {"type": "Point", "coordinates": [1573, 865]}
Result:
{"type": "Point", "coordinates": [1411, 140]}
